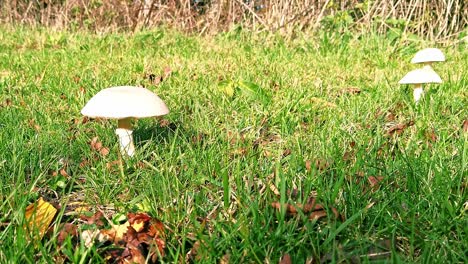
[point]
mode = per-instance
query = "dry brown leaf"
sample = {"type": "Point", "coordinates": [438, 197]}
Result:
{"type": "Point", "coordinates": [398, 128]}
{"type": "Point", "coordinates": [192, 255]}
{"type": "Point", "coordinates": [390, 117]}
{"type": "Point", "coordinates": [308, 165]}
{"type": "Point", "coordinates": [465, 126]}
{"type": "Point", "coordinates": [164, 123]}
{"type": "Point", "coordinates": [317, 215]}
{"type": "Point", "coordinates": [374, 181]}
{"type": "Point", "coordinates": [285, 259]}
{"type": "Point", "coordinates": [97, 218]}
{"type": "Point", "coordinates": [167, 72]}
{"type": "Point", "coordinates": [38, 217]}
{"type": "Point", "coordinates": [66, 230]}
{"type": "Point", "coordinates": [113, 165]}
{"type": "Point", "coordinates": [32, 123]}
{"type": "Point", "coordinates": [286, 152]}
{"type": "Point", "coordinates": [225, 259]}
{"type": "Point", "coordinates": [138, 221]}
{"type": "Point", "coordinates": [97, 146]}
{"type": "Point", "coordinates": [430, 135]}
{"type": "Point", "coordinates": [351, 90]}
{"type": "Point", "coordinates": [6, 103]}
{"type": "Point", "coordinates": [322, 165]}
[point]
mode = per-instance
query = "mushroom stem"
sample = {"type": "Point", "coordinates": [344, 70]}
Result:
{"type": "Point", "coordinates": [427, 65]}
{"type": "Point", "coordinates": [124, 132]}
{"type": "Point", "coordinates": [418, 92]}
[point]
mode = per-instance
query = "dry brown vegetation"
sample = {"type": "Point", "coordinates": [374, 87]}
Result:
{"type": "Point", "coordinates": [433, 19]}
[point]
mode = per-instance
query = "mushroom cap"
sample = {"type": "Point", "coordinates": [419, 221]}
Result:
{"type": "Point", "coordinates": [123, 102]}
{"type": "Point", "coordinates": [418, 76]}
{"type": "Point", "coordinates": [428, 55]}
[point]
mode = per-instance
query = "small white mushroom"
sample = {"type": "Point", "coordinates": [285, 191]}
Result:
{"type": "Point", "coordinates": [125, 103]}
{"type": "Point", "coordinates": [418, 77]}
{"type": "Point", "coordinates": [428, 56]}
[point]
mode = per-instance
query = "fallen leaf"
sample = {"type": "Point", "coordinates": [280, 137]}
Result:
{"type": "Point", "coordinates": [316, 215]}
{"type": "Point", "coordinates": [465, 126]}
{"type": "Point", "coordinates": [390, 117]}
{"type": "Point", "coordinates": [321, 164]}
{"type": "Point", "coordinates": [167, 72]}
{"type": "Point", "coordinates": [398, 128]}
{"type": "Point", "coordinates": [308, 165]}
{"type": "Point", "coordinates": [104, 151]}
{"type": "Point", "coordinates": [113, 165]}
{"type": "Point", "coordinates": [285, 259]}
{"type": "Point", "coordinates": [286, 152]}
{"type": "Point", "coordinates": [430, 135]}
{"type": "Point", "coordinates": [351, 90]}
{"type": "Point", "coordinates": [66, 230]}
{"type": "Point", "coordinates": [90, 236]}
{"type": "Point", "coordinates": [38, 217]}
{"type": "Point", "coordinates": [164, 123]}
{"type": "Point", "coordinates": [138, 221]}
{"type": "Point", "coordinates": [317, 211]}
{"type": "Point", "coordinates": [97, 146]}
{"type": "Point", "coordinates": [348, 156]}
{"type": "Point", "coordinates": [32, 123]}
{"type": "Point", "coordinates": [97, 218]}
{"type": "Point", "coordinates": [6, 103]}
{"type": "Point", "coordinates": [374, 181]}
{"type": "Point", "coordinates": [192, 255]}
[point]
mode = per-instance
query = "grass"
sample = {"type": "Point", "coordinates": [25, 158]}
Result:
{"type": "Point", "coordinates": [206, 172]}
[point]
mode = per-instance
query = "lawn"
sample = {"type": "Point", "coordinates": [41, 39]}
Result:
{"type": "Point", "coordinates": [259, 126]}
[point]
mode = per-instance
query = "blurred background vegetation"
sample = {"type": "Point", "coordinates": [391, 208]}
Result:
{"type": "Point", "coordinates": [436, 20]}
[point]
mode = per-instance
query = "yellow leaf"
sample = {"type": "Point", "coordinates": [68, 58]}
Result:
{"type": "Point", "coordinates": [117, 232]}
{"type": "Point", "coordinates": [38, 217]}
{"type": "Point", "coordinates": [138, 226]}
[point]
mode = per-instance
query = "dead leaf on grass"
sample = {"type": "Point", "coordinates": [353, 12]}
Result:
{"type": "Point", "coordinates": [350, 91]}
{"type": "Point", "coordinates": [141, 237]}
{"type": "Point", "coordinates": [398, 128]}
{"type": "Point", "coordinates": [465, 126]}
{"type": "Point", "coordinates": [6, 103]}
{"type": "Point", "coordinates": [38, 216]}
{"type": "Point", "coordinates": [374, 182]}
{"type": "Point", "coordinates": [97, 146]}
{"type": "Point", "coordinates": [431, 136]}
{"type": "Point", "coordinates": [32, 123]}
{"type": "Point", "coordinates": [66, 230]}
{"type": "Point", "coordinates": [315, 211]}
{"type": "Point", "coordinates": [285, 259]}
{"type": "Point", "coordinates": [167, 72]}
{"type": "Point", "coordinates": [97, 218]}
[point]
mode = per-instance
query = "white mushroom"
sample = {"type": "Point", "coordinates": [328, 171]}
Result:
{"type": "Point", "coordinates": [428, 56]}
{"type": "Point", "coordinates": [418, 77]}
{"type": "Point", "coordinates": [125, 103]}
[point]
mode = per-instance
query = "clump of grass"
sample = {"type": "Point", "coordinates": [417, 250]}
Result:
{"type": "Point", "coordinates": [335, 123]}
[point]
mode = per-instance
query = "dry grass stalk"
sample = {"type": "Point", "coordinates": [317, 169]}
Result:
{"type": "Point", "coordinates": [436, 19]}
